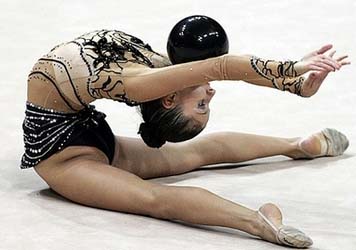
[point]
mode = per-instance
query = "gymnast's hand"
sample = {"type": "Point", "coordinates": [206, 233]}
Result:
{"type": "Point", "coordinates": [318, 61]}
{"type": "Point", "coordinates": [312, 84]}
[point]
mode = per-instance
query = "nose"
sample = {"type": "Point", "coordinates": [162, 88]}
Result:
{"type": "Point", "coordinates": [210, 91]}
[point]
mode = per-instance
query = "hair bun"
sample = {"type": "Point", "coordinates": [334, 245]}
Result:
{"type": "Point", "coordinates": [150, 136]}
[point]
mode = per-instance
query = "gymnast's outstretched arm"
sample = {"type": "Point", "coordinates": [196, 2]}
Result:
{"type": "Point", "coordinates": [139, 83]}
{"type": "Point", "coordinates": [151, 83]}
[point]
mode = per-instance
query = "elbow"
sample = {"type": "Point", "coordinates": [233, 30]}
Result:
{"type": "Point", "coordinates": [226, 61]}
{"type": "Point", "coordinates": [133, 93]}
{"type": "Point", "coordinates": [231, 66]}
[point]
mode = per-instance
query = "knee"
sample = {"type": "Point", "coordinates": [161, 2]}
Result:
{"type": "Point", "coordinates": [158, 204]}
{"type": "Point", "coordinates": [46, 171]}
{"type": "Point", "coordinates": [168, 201]}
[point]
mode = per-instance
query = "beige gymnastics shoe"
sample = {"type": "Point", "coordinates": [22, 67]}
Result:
{"type": "Point", "coordinates": [286, 235]}
{"type": "Point", "coordinates": [332, 143]}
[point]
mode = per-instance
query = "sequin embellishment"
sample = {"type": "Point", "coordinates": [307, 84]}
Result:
{"type": "Point", "coordinates": [46, 130]}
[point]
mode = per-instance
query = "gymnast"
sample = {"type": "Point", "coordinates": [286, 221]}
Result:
{"type": "Point", "coordinates": [73, 149]}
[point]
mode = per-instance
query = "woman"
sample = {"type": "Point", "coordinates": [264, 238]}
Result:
{"type": "Point", "coordinates": [73, 149]}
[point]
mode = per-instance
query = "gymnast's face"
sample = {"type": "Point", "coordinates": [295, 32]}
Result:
{"type": "Point", "coordinates": [195, 102]}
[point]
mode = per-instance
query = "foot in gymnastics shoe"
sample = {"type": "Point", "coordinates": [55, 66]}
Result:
{"type": "Point", "coordinates": [328, 142]}
{"type": "Point", "coordinates": [284, 235]}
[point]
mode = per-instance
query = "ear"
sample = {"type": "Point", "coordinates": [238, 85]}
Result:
{"type": "Point", "coordinates": [169, 101]}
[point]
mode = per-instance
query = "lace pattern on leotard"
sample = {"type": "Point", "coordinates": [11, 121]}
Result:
{"type": "Point", "coordinates": [90, 66]}
{"type": "Point", "coordinates": [106, 53]}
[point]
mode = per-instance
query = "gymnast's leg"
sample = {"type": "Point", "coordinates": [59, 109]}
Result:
{"type": "Point", "coordinates": [83, 175]}
{"type": "Point", "coordinates": [221, 147]}
{"type": "Point", "coordinates": [88, 179]}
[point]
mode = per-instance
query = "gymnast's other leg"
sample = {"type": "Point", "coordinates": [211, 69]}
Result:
{"type": "Point", "coordinates": [221, 147]}
{"type": "Point", "coordinates": [86, 177]}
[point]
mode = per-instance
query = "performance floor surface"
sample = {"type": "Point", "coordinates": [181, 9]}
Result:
{"type": "Point", "coordinates": [317, 196]}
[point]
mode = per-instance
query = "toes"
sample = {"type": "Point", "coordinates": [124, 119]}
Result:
{"type": "Point", "coordinates": [284, 235]}
{"type": "Point", "coordinates": [336, 140]}
{"type": "Point", "coordinates": [293, 237]}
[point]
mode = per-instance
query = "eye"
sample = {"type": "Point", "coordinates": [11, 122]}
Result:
{"type": "Point", "coordinates": [201, 104]}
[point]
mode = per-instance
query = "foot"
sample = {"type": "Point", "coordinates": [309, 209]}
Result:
{"type": "Point", "coordinates": [328, 142]}
{"type": "Point", "coordinates": [272, 229]}
{"type": "Point", "coordinates": [274, 215]}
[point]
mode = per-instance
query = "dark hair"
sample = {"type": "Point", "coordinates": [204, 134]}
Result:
{"type": "Point", "coordinates": [162, 124]}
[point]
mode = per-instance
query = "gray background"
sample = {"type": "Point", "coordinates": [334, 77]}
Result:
{"type": "Point", "coordinates": [318, 196]}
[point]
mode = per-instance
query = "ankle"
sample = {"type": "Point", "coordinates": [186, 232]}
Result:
{"type": "Point", "coordinates": [269, 219]}
{"type": "Point", "coordinates": [263, 230]}
{"type": "Point", "coordinates": [294, 149]}
{"type": "Point", "coordinates": [256, 225]}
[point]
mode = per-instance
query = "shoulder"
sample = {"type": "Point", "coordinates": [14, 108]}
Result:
{"type": "Point", "coordinates": [107, 36]}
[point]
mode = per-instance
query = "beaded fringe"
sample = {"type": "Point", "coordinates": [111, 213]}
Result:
{"type": "Point", "coordinates": [47, 131]}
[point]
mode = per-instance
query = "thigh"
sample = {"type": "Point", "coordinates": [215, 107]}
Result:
{"type": "Point", "coordinates": [85, 180]}
{"type": "Point", "coordinates": [133, 155]}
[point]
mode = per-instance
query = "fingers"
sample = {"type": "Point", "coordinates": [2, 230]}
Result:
{"type": "Point", "coordinates": [327, 63]}
{"type": "Point", "coordinates": [320, 51]}
{"type": "Point", "coordinates": [325, 66]}
{"type": "Point", "coordinates": [325, 48]}
{"type": "Point", "coordinates": [324, 63]}
{"type": "Point", "coordinates": [318, 68]}
{"type": "Point", "coordinates": [345, 63]}
{"type": "Point", "coordinates": [332, 54]}
{"type": "Point", "coordinates": [341, 60]}
{"type": "Point", "coordinates": [331, 62]}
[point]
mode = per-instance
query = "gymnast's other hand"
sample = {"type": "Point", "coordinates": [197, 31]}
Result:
{"type": "Point", "coordinates": [312, 84]}
{"type": "Point", "coordinates": [318, 61]}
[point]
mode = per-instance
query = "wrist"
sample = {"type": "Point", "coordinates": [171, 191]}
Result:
{"type": "Point", "coordinates": [300, 68]}
{"type": "Point", "coordinates": [289, 68]}
{"type": "Point", "coordinates": [293, 85]}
